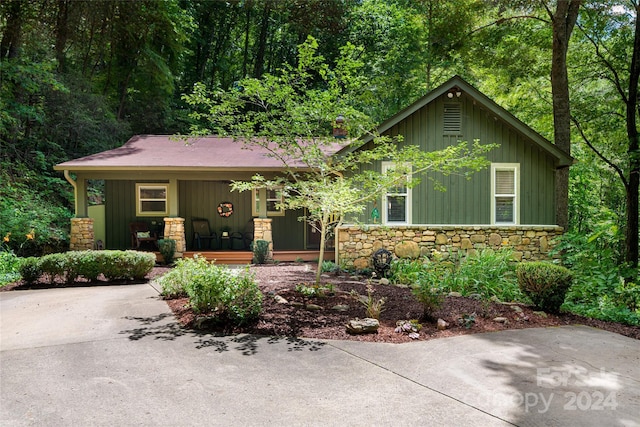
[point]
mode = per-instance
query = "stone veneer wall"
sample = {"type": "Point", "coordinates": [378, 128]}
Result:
{"type": "Point", "coordinates": [82, 236]}
{"type": "Point", "coordinates": [174, 229]}
{"type": "Point", "coordinates": [262, 231]}
{"type": "Point", "coordinates": [356, 243]}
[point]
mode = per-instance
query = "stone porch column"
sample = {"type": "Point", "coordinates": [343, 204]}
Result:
{"type": "Point", "coordinates": [82, 236]}
{"type": "Point", "coordinates": [262, 231]}
{"type": "Point", "coordinates": [174, 229]}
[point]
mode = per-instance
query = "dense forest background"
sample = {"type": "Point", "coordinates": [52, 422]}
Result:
{"type": "Point", "coordinates": [78, 77]}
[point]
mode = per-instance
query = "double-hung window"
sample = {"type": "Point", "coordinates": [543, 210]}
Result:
{"type": "Point", "coordinates": [505, 183]}
{"type": "Point", "coordinates": [397, 201]}
{"type": "Point", "coordinates": [273, 201]}
{"type": "Point", "coordinates": [152, 199]}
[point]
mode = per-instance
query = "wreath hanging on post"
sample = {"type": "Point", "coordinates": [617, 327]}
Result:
{"type": "Point", "coordinates": [225, 209]}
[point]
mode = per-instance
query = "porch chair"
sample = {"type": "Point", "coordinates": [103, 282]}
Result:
{"type": "Point", "coordinates": [141, 233]}
{"type": "Point", "coordinates": [202, 232]}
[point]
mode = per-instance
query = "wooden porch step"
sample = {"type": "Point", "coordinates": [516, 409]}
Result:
{"type": "Point", "coordinates": [246, 257]}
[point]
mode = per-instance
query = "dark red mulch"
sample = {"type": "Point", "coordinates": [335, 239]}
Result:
{"type": "Point", "coordinates": [291, 320]}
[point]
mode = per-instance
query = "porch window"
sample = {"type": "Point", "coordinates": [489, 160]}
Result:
{"type": "Point", "coordinates": [274, 200]}
{"type": "Point", "coordinates": [151, 199]}
{"type": "Point", "coordinates": [504, 193]}
{"type": "Point", "coordinates": [397, 200]}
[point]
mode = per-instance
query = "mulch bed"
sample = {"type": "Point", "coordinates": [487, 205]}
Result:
{"type": "Point", "coordinates": [292, 319]}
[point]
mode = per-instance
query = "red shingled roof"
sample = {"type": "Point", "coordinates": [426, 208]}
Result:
{"type": "Point", "coordinates": [163, 151]}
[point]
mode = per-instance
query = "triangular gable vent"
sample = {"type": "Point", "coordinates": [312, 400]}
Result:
{"type": "Point", "coordinates": [452, 118]}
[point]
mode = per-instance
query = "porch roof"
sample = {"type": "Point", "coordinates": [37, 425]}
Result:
{"type": "Point", "coordinates": [164, 152]}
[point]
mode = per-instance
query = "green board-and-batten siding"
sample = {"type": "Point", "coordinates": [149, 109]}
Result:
{"type": "Point", "coordinates": [469, 201]}
{"type": "Point", "coordinates": [197, 199]}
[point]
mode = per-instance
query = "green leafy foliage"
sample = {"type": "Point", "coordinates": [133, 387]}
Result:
{"type": "Point", "coordinates": [229, 295]}
{"type": "Point", "coordinates": [599, 290]}
{"type": "Point", "coordinates": [329, 267]}
{"type": "Point", "coordinates": [545, 283]}
{"type": "Point", "coordinates": [373, 306]}
{"type": "Point", "coordinates": [31, 220]}
{"type": "Point", "coordinates": [9, 267]}
{"type": "Point", "coordinates": [260, 251]}
{"type": "Point", "coordinates": [486, 273]}
{"type": "Point", "coordinates": [167, 248]}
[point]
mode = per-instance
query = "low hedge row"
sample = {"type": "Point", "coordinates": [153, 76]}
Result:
{"type": "Point", "coordinates": [70, 266]}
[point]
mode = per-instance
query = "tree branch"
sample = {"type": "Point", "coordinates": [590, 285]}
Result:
{"type": "Point", "coordinates": [599, 154]}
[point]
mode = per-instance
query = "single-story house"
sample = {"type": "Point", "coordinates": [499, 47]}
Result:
{"type": "Point", "coordinates": [168, 184]}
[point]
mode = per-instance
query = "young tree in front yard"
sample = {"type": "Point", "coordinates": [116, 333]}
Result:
{"type": "Point", "coordinates": [292, 116]}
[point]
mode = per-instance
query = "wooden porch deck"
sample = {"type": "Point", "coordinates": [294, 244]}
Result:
{"type": "Point", "coordinates": [245, 257]}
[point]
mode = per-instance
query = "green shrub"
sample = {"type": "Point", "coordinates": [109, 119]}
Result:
{"type": "Point", "coordinates": [54, 266]}
{"type": "Point", "coordinates": [9, 267]}
{"type": "Point", "coordinates": [405, 271]}
{"type": "Point", "coordinates": [545, 283]}
{"type": "Point", "coordinates": [260, 251]}
{"type": "Point", "coordinates": [628, 294]}
{"type": "Point", "coordinates": [31, 269]}
{"type": "Point", "coordinates": [167, 248]}
{"type": "Point", "coordinates": [70, 266]}
{"type": "Point", "coordinates": [428, 291]}
{"type": "Point", "coordinates": [487, 273]}
{"type": "Point", "coordinates": [329, 267]}
{"type": "Point", "coordinates": [229, 295]}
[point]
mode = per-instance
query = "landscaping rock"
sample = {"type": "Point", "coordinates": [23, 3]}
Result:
{"type": "Point", "coordinates": [340, 307]}
{"type": "Point", "coordinates": [442, 325]}
{"type": "Point", "coordinates": [455, 294]}
{"type": "Point", "coordinates": [280, 300]}
{"type": "Point", "coordinates": [363, 326]}
{"type": "Point", "coordinates": [516, 308]}
{"type": "Point", "coordinates": [540, 313]}
{"type": "Point", "coordinates": [384, 281]}
{"type": "Point", "coordinates": [313, 307]}
{"type": "Point", "coordinates": [407, 249]}
{"type": "Point", "coordinates": [501, 320]}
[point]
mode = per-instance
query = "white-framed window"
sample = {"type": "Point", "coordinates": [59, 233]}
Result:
{"type": "Point", "coordinates": [505, 189]}
{"type": "Point", "coordinates": [274, 201]}
{"type": "Point", "coordinates": [152, 199]}
{"type": "Point", "coordinates": [396, 204]}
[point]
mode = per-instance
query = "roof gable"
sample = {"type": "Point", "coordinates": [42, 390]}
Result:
{"type": "Point", "coordinates": [563, 159]}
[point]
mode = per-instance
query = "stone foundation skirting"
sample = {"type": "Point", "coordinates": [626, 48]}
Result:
{"type": "Point", "coordinates": [356, 243]}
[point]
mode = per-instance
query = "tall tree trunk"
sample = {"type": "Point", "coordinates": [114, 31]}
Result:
{"type": "Point", "coordinates": [247, 27]}
{"type": "Point", "coordinates": [631, 235]}
{"type": "Point", "coordinates": [62, 33]}
{"type": "Point", "coordinates": [262, 41]}
{"type": "Point", "coordinates": [563, 21]}
{"type": "Point", "coordinates": [12, 31]}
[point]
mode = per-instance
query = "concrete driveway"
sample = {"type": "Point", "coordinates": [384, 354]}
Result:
{"type": "Point", "coordinates": [114, 355]}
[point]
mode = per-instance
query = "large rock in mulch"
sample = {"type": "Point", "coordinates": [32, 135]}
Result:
{"type": "Point", "coordinates": [363, 326]}
{"type": "Point", "coordinates": [407, 249]}
{"type": "Point", "coordinates": [442, 324]}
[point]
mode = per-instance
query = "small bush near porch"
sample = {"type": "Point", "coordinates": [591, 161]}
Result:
{"type": "Point", "coordinates": [221, 293]}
